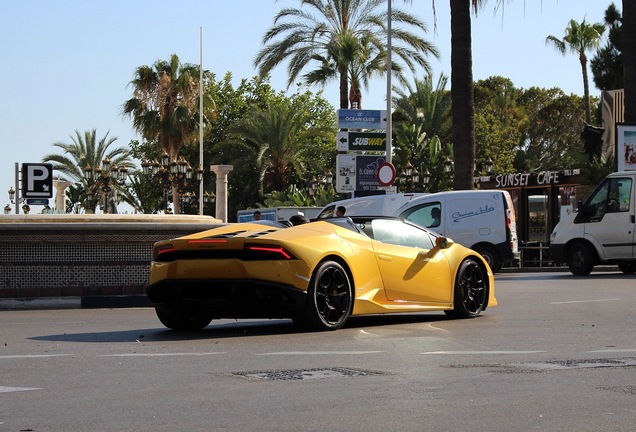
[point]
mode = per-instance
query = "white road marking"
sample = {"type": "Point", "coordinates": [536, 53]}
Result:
{"type": "Point", "coordinates": [160, 354]}
{"type": "Point", "coordinates": [481, 352]}
{"type": "Point", "coordinates": [321, 353]}
{"type": "Point", "coordinates": [614, 350]}
{"type": "Point", "coordinates": [16, 389]}
{"type": "Point", "coordinates": [585, 301]}
{"type": "Point", "coordinates": [33, 356]}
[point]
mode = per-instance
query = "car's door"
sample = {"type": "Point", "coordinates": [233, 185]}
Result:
{"type": "Point", "coordinates": [412, 269]}
{"type": "Point", "coordinates": [610, 218]}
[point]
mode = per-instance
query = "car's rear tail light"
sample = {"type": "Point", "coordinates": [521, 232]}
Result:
{"type": "Point", "coordinates": [264, 252]}
{"type": "Point", "coordinates": [160, 250]}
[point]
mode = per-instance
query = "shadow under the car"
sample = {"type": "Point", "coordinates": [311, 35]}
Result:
{"type": "Point", "coordinates": [239, 328]}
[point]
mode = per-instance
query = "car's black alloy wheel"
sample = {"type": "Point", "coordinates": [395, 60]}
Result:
{"type": "Point", "coordinates": [329, 300]}
{"type": "Point", "coordinates": [471, 290]}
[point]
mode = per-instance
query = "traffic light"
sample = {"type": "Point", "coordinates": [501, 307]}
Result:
{"type": "Point", "coordinates": [592, 137]}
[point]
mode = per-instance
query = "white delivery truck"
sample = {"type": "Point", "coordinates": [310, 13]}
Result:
{"type": "Point", "coordinates": [602, 231]}
{"type": "Point", "coordinates": [483, 220]}
{"type": "Point", "coordinates": [372, 205]}
{"type": "Point", "coordinates": [277, 214]}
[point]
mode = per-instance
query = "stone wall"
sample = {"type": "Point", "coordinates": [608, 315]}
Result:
{"type": "Point", "coordinates": [83, 260]}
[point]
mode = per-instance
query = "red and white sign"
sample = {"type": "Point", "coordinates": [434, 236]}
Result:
{"type": "Point", "coordinates": [386, 174]}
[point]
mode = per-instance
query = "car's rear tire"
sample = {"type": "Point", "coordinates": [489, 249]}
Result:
{"type": "Point", "coordinates": [627, 267]}
{"type": "Point", "coordinates": [329, 298]}
{"type": "Point", "coordinates": [471, 290]}
{"type": "Point", "coordinates": [491, 257]}
{"type": "Point", "coordinates": [181, 321]}
{"type": "Point", "coordinates": [580, 259]}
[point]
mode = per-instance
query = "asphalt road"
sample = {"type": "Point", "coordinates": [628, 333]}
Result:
{"type": "Point", "coordinates": [557, 354]}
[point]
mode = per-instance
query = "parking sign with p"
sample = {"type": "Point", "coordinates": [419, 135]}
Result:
{"type": "Point", "coordinates": [37, 180]}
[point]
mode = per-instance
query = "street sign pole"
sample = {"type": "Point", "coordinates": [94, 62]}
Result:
{"type": "Point", "coordinates": [389, 66]}
{"type": "Point", "coordinates": [17, 188]}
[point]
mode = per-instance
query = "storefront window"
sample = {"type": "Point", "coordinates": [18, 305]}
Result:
{"type": "Point", "coordinates": [538, 217]}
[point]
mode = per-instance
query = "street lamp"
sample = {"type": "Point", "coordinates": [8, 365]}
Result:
{"type": "Point", "coordinates": [175, 174]}
{"type": "Point", "coordinates": [409, 177]}
{"type": "Point", "coordinates": [488, 165]}
{"type": "Point", "coordinates": [102, 180]}
{"type": "Point", "coordinates": [426, 178]}
{"type": "Point", "coordinates": [12, 198]}
{"type": "Point", "coordinates": [448, 165]}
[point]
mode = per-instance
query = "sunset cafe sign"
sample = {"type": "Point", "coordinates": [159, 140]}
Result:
{"type": "Point", "coordinates": [542, 178]}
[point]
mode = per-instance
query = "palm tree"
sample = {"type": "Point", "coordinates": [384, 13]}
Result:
{"type": "Point", "coordinates": [164, 107]}
{"type": "Point", "coordinates": [425, 104]}
{"type": "Point", "coordinates": [270, 141]}
{"type": "Point", "coordinates": [629, 59]}
{"type": "Point", "coordinates": [345, 39]}
{"type": "Point", "coordinates": [462, 91]}
{"type": "Point", "coordinates": [86, 151]}
{"type": "Point", "coordinates": [579, 38]}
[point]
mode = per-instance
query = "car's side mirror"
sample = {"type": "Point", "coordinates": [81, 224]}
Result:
{"type": "Point", "coordinates": [441, 242]}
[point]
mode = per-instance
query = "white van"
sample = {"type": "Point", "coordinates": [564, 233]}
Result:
{"type": "Point", "coordinates": [372, 205]}
{"type": "Point", "coordinates": [602, 231]}
{"type": "Point", "coordinates": [483, 220]}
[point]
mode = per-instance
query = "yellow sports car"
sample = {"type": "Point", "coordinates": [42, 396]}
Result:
{"type": "Point", "coordinates": [317, 273]}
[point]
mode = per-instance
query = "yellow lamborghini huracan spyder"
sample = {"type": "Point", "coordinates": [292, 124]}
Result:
{"type": "Point", "coordinates": [317, 274]}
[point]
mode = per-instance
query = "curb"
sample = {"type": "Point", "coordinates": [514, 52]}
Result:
{"type": "Point", "coordinates": [85, 302]}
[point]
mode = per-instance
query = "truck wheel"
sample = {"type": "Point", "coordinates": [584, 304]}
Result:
{"type": "Point", "coordinates": [491, 257]}
{"type": "Point", "coordinates": [627, 267]}
{"type": "Point", "coordinates": [580, 259]}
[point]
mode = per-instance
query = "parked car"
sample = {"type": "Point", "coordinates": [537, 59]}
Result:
{"type": "Point", "coordinates": [318, 273]}
{"type": "Point", "coordinates": [483, 220]}
{"type": "Point", "coordinates": [602, 231]}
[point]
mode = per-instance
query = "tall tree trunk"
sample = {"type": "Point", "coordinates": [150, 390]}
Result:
{"type": "Point", "coordinates": [344, 90]}
{"type": "Point", "coordinates": [629, 59]}
{"type": "Point", "coordinates": [463, 109]}
{"type": "Point", "coordinates": [586, 89]}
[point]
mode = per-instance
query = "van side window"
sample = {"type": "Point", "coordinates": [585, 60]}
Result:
{"type": "Point", "coordinates": [428, 215]}
{"type": "Point", "coordinates": [613, 196]}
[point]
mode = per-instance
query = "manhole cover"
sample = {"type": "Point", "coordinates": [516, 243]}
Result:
{"type": "Point", "coordinates": [308, 374]}
{"type": "Point", "coordinates": [583, 364]}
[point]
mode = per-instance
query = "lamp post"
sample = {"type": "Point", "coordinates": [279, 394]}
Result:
{"type": "Point", "coordinates": [324, 182]}
{"type": "Point", "coordinates": [102, 180]}
{"type": "Point", "coordinates": [14, 200]}
{"type": "Point", "coordinates": [488, 165]}
{"type": "Point", "coordinates": [176, 175]}
{"type": "Point", "coordinates": [426, 178]}
{"type": "Point", "coordinates": [409, 177]}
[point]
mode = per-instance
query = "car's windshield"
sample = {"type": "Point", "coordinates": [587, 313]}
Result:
{"type": "Point", "coordinates": [397, 232]}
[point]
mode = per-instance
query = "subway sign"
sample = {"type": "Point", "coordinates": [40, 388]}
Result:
{"type": "Point", "coordinates": [363, 141]}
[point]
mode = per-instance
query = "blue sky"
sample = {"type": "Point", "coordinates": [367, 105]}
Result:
{"type": "Point", "coordinates": [66, 64]}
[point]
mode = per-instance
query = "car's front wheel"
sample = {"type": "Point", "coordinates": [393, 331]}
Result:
{"type": "Point", "coordinates": [330, 298]}
{"type": "Point", "coordinates": [182, 321]}
{"type": "Point", "coordinates": [580, 260]}
{"type": "Point", "coordinates": [471, 290]}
